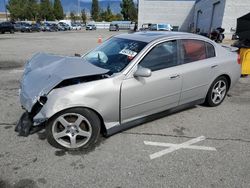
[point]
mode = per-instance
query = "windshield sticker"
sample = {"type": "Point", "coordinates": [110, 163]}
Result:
{"type": "Point", "coordinates": [128, 52]}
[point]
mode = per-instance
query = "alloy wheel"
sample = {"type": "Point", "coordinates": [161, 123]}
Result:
{"type": "Point", "coordinates": [71, 130]}
{"type": "Point", "coordinates": [219, 91]}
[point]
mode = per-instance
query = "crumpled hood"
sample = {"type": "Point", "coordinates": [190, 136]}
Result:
{"type": "Point", "coordinates": [44, 71]}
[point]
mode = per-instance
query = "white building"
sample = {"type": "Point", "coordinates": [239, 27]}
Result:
{"type": "Point", "coordinates": [177, 13]}
{"type": "Point", "coordinates": [192, 14]}
{"type": "Point", "coordinates": [3, 16]}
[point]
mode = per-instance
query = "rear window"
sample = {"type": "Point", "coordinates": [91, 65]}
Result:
{"type": "Point", "coordinates": [196, 50]}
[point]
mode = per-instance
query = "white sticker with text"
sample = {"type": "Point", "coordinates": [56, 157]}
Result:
{"type": "Point", "coordinates": [128, 52]}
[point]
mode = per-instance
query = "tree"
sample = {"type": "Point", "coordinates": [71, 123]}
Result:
{"type": "Point", "coordinates": [83, 16]}
{"type": "Point", "coordinates": [95, 10]}
{"type": "Point", "coordinates": [73, 16]}
{"type": "Point", "coordinates": [128, 10]}
{"type": "Point", "coordinates": [58, 10]}
{"type": "Point", "coordinates": [23, 9]}
{"type": "Point", "coordinates": [16, 9]}
{"type": "Point", "coordinates": [31, 10]}
{"type": "Point", "coordinates": [46, 10]}
{"type": "Point", "coordinates": [109, 14]}
{"type": "Point", "coordinates": [118, 17]}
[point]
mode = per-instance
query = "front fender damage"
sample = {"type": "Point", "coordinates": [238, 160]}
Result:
{"type": "Point", "coordinates": [34, 121]}
{"type": "Point", "coordinates": [45, 72]}
{"type": "Point", "coordinates": [25, 125]}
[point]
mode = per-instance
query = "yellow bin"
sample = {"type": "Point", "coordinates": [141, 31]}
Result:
{"type": "Point", "coordinates": [245, 60]}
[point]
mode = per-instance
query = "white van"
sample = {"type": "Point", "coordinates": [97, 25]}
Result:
{"type": "Point", "coordinates": [67, 22]}
{"type": "Point", "coordinates": [161, 27]}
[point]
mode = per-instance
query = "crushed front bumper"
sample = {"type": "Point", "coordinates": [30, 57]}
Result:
{"type": "Point", "coordinates": [25, 125]}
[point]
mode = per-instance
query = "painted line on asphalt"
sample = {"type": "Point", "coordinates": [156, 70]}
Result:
{"type": "Point", "coordinates": [173, 147]}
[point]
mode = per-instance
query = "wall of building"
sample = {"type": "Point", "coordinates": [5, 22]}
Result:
{"type": "Point", "coordinates": [175, 12]}
{"type": "Point", "coordinates": [3, 16]}
{"type": "Point", "coordinates": [208, 14]}
{"type": "Point", "coordinates": [233, 10]}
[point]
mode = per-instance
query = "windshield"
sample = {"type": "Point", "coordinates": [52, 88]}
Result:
{"type": "Point", "coordinates": [115, 54]}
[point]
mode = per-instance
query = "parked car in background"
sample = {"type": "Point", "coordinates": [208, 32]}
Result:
{"type": "Point", "coordinates": [50, 27]}
{"type": "Point", "coordinates": [36, 27]}
{"type": "Point", "coordinates": [67, 22]}
{"type": "Point", "coordinates": [91, 27]}
{"type": "Point", "coordinates": [145, 27]}
{"type": "Point", "coordinates": [6, 27]}
{"type": "Point", "coordinates": [54, 27]}
{"type": "Point", "coordinates": [26, 27]}
{"type": "Point", "coordinates": [18, 26]}
{"type": "Point", "coordinates": [113, 27]}
{"type": "Point", "coordinates": [45, 27]}
{"type": "Point", "coordinates": [127, 78]}
{"type": "Point", "coordinates": [61, 28]}
{"type": "Point", "coordinates": [160, 27]}
{"type": "Point", "coordinates": [64, 25]}
{"type": "Point", "coordinates": [68, 27]}
{"type": "Point", "coordinates": [156, 27]}
{"type": "Point", "coordinates": [76, 26]}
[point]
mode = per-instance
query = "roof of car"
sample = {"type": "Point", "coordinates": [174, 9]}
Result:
{"type": "Point", "coordinates": [149, 36]}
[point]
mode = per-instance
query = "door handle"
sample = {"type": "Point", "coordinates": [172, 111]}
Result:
{"type": "Point", "coordinates": [174, 76]}
{"type": "Point", "coordinates": [213, 66]}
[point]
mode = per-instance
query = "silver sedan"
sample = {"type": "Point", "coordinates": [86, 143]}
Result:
{"type": "Point", "coordinates": [127, 80]}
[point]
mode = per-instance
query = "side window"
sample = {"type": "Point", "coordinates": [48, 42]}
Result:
{"type": "Point", "coordinates": [162, 56]}
{"type": "Point", "coordinates": [193, 50]}
{"type": "Point", "coordinates": [210, 50]}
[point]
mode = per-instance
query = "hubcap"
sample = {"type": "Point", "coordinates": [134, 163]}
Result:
{"type": "Point", "coordinates": [71, 130]}
{"type": "Point", "coordinates": [219, 91]}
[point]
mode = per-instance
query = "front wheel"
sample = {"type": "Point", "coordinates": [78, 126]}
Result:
{"type": "Point", "coordinates": [217, 92]}
{"type": "Point", "coordinates": [72, 129]}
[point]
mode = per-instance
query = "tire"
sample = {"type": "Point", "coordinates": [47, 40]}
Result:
{"type": "Point", "coordinates": [73, 129]}
{"type": "Point", "coordinates": [12, 31]}
{"type": "Point", "coordinates": [217, 92]}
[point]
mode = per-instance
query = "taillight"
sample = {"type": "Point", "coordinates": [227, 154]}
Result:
{"type": "Point", "coordinates": [238, 59]}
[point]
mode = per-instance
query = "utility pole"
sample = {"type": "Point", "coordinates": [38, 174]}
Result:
{"type": "Point", "coordinates": [5, 10]}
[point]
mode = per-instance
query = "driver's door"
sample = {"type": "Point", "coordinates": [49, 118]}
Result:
{"type": "Point", "coordinates": [142, 96]}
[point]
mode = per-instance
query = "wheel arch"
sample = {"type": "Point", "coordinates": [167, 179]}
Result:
{"type": "Point", "coordinates": [226, 76]}
{"type": "Point", "coordinates": [103, 127]}
{"type": "Point", "coordinates": [228, 79]}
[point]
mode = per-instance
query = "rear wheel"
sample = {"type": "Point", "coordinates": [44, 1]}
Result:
{"type": "Point", "coordinates": [217, 92]}
{"type": "Point", "coordinates": [75, 128]}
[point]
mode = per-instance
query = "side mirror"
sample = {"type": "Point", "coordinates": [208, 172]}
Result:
{"type": "Point", "coordinates": [142, 72]}
{"type": "Point", "coordinates": [77, 55]}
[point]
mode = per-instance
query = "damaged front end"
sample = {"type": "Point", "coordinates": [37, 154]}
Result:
{"type": "Point", "coordinates": [26, 124]}
{"type": "Point", "coordinates": [42, 74]}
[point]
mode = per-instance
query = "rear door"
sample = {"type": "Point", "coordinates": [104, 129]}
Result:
{"type": "Point", "coordinates": [198, 67]}
{"type": "Point", "coordinates": [141, 96]}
